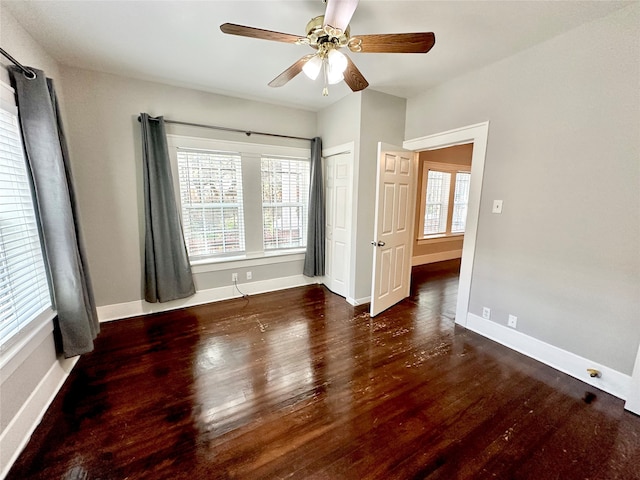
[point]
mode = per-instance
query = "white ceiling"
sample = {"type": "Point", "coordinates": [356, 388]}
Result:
{"type": "Point", "coordinates": [180, 43]}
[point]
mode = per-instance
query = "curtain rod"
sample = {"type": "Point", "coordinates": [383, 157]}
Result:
{"type": "Point", "coordinates": [248, 133]}
{"type": "Point", "coordinates": [30, 74]}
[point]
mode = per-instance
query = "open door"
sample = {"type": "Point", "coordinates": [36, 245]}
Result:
{"type": "Point", "coordinates": [633, 400]}
{"type": "Point", "coordinates": [393, 231]}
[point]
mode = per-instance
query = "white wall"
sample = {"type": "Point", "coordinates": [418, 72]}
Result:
{"type": "Point", "coordinates": [29, 376]}
{"type": "Point", "coordinates": [339, 124]}
{"type": "Point", "coordinates": [365, 118]}
{"type": "Point", "coordinates": [105, 150]}
{"type": "Point", "coordinates": [382, 120]}
{"type": "Point", "coordinates": [564, 155]}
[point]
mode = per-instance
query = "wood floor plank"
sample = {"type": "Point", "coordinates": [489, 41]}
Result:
{"type": "Point", "coordinates": [299, 384]}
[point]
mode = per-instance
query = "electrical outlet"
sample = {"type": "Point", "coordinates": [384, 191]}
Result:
{"type": "Point", "coordinates": [249, 275]}
{"type": "Point", "coordinates": [486, 313]}
{"type": "Point", "coordinates": [234, 277]}
{"type": "Point", "coordinates": [513, 321]}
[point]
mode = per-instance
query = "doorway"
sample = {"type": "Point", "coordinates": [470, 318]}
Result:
{"type": "Point", "coordinates": [477, 135]}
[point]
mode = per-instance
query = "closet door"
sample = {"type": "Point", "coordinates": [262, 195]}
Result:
{"type": "Point", "coordinates": [339, 192]}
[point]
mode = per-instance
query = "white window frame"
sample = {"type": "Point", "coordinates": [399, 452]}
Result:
{"type": "Point", "coordinates": [219, 205]}
{"type": "Point", "coordinates": [446, 168]}
{"type": "Point", "coordinates": [251, 154]}
{"type": "Point", "coordinates": [302, 204]}
{"type": "Point", "coordinates": [16, 348]}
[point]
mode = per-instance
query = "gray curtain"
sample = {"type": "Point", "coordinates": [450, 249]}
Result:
{"type": "Point", "coordinates": [167, 269]}
{"type": "Point", "coordinates": [48, 161]}
{"type": "Point", "coordinates": [314, 256]}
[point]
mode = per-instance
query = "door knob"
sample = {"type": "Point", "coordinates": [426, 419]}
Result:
{"type": "Point", "coordinates": [378, 244]}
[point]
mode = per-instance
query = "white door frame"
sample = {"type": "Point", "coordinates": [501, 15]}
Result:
{"type": "Point", "coordinates": [478, 135]}
{"type": "Point", "coordinates": [348, 149]}
{"type": "Point", "coordinates": [633, 399]}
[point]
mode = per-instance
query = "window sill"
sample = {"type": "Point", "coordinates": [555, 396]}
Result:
{"type": "Point", "coordinates": [22, 345]}
{"type": "Point", "coordinates": [440, 238]}
{"type": "Point", "coordinates": [249, 260]}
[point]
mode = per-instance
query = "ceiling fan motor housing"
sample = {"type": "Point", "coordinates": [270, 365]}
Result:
{"type": "Point", "coordinates": [318, 34]}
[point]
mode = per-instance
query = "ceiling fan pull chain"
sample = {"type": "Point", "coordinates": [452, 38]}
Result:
{"type": "Point", "coordinates": [325, 90]}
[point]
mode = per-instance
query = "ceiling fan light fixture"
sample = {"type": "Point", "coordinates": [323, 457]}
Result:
{"type": "Point", "coordinates": [312, 68]}
{"type": "Point", "coordinates": [337, 61]}
{"type": "Point", "coordinates": [334, 76]}
{"type": "Point", "coordinates": [336, 65]}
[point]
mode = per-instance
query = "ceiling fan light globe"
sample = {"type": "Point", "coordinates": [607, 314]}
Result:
{"type": "Point", "coordinates": [312, 68]}
{"type": "Point", "coordinates": [334, 76]}
{"type": "Point", "coordinates": [337, 61]}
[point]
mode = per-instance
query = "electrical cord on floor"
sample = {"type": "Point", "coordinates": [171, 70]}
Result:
{"type": "Point", "coordinates": [244, 295]}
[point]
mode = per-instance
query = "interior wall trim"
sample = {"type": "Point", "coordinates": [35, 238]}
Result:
{"type": "Point", "coordinates": [358, 301]}
{"type": "Point", "coordinates": [18, 432]}
{"type": "Point", "coordinates": [137, 308]}
{"type": "Point", "coordinates": [612, 381]}
{"type": "Point", "coordinates": [477, 134]}
{"type": "Point", "coordinates": [633, 400]}
{"type": "Point", "coordinates": [436, 257]}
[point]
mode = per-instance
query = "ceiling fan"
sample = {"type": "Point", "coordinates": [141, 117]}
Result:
{"type": "Point", "coordinates": [329, 33]}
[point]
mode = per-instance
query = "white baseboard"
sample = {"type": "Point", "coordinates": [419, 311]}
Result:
{"type": "Point", "coordinates": [358, 301]}
{"type": "Point", "coordinates": [436, 257]}
{"type": "Point", "coordinates": [18, 432]}
{"type": "Point", "coordinates": [611, 381]}
{"type": "Point", "coordinates": [136, 308]}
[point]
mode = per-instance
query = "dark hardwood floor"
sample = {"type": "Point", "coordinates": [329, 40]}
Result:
{"type": "Point", "coordinates": [299, 384]}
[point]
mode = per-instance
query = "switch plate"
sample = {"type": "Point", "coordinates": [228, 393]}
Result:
{"type": "Point", "coordinates": [486, 313]}
{"type": "Point", "coordinates": [513, 321]}
{"type": "Point", "coordinates": [497, 206]}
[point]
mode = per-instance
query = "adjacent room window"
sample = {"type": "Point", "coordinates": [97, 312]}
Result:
{"type": "Point", "coordinates": [240, 200]}
{"type": "Point", "coordinates": [24, 290]}
{"type": "Point", "coordinates": [437, 205]}
{"type": "Point", "coordinates": [460, 202]}
{"type": "Point", "coordinates": [211, 199]}
{"type": "Point", "coordinates": [285, 199]}
{"type": "Point", "coordinates": [446, 199]}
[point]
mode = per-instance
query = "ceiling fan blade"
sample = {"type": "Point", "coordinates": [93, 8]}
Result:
{"type": "Point", "coordinates": [339, 12]}
{"type": "Point", "coordinates": [353, 77]}
{"type": "Point", "coordinates": [290, 72]}
{"type": "Point", "coordinates": [244, 31]}
{"type": "Point", "coordinates": [420, 42]}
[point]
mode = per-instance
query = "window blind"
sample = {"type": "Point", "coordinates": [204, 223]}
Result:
{"type": "Point", "coordinates": [460, 201]}
{"type": "Point", "coordinates": [211, 202]}
{"type": "Point", "coordinates": [24, 290]}
{"type": "Point", "coordinates": [285, 202]}
{"type": "Point", "coordinates": [437, 205]}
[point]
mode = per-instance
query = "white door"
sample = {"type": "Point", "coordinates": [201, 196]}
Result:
{"type": "Point", "coordinates": [633, 400]}
{"type": "Point", "coordinates": [338, 193]}
{"type": "Point", "coordinates": [393, 232]}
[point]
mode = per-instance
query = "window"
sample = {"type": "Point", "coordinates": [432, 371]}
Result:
{"type": "Point", "coordinates": [285, 198]}
{"type": "Point", "coordinates": [445, 210]}
{"type": "Point", "coordinates": [240, 200]}
{"type": "Point", "coordinates": [211, 199]}
{"type": "Point", "coordinates": [24, 290]}
{"type": "Point", "coordinates": [437, 206]}
{"type": "Point", "coordinates": [460, 202]}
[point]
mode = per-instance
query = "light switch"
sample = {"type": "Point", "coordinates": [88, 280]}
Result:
{"type": "Point", "coordinates": [497, 206]}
